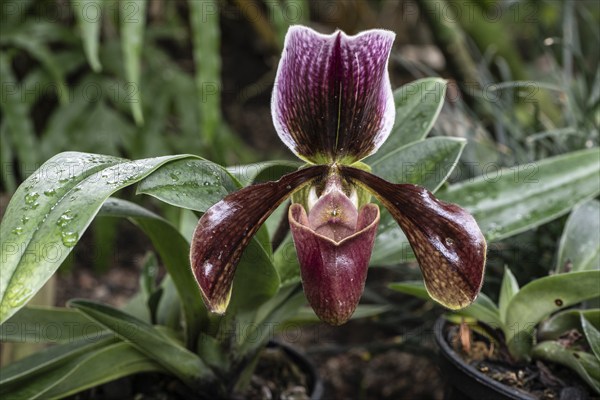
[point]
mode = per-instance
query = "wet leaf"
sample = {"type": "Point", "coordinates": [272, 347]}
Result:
{"type": "Point", "coordinates": [418, 105]}
{"type": "Point", "coordinates": [50, 211]}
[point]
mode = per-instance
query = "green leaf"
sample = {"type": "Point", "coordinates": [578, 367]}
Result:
{"type": "Point", "coordinates": [198, 185]}
{"type": "Point", "coordinates": [8, 180]}
{"type": "Point", "coordinates": [50, 359]}
{"type": "Point", "coordinates": [513, 200]}
{"type": "Point", "coordinates": [206, 39]}
{"type": "Point", "coordinates": [248, 174]}
{"type": "Point", "coordinates": [88, 14]}
{"type": "Point", "coordinates": [561, 322]}
{"type": "Point", "coordinates": [194, 184]}
{"type": "Point", "coordinates": [36, 47]}
{"type": "Point", "coordinates": [592, 334]}
{"type": "Point", "coordinates": [133, 19]}
{"type": "Point", "coordinates": [579, 245]}
{"type": "Point", "coordinates": [509, 288]}
{"type": "Point", "coordinates": [255, 281]}
{"type": "Point", "coordinates": [175, 358]}
{"type": "Point", "coordinates": [16, 112]}
{"type": "Point", "coordinates": [36, 324]}
{"type": "Point", "coordinates": [174, 250]}
{"type": "Point", "coordinates": [427, 163]}
{"type": "Point", "coordinates": [418, 105]}
{"type": "Point", "coordinates": [482, 309]}
{"type": "Point", "coordinates": [286, 262]}
{"type": "Point", "coordinates": [89, 370]}
{"type": "Point", "coordinates": [541, 297]}
{"type": "Point", "coordinates": [49, 213]}
{"type": "Point", "coordinates": [584, 364]}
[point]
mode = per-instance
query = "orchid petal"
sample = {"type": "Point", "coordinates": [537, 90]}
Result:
{"type": "Point", "coordinates": [334, 273]}
{"type": "Point", "coordinates": [332, 98]}
{"type": "Point", "coordinates": [445, 238]}
{"type": "Point", "coordinates": [226, 228]}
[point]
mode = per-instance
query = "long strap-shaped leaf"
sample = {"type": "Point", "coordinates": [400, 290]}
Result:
{"type": "Point", "coordinates": [133, 20]}
{"type": "Point", "coordinates": [91, 369]}
{"type": "Point", "coordinates": [175, 358]}
{"type": "Point", "coordinates": [36, 324]}
{"type": "Point", "coordinates": [173, 249]}
{"type": "Point", "coordinates": [51, 358]}
{"type": "Point", "coordinates": [50, 211]}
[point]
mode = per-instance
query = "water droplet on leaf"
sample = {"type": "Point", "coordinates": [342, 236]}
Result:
{"type": "Point", "coordinates": [69, 238]}
{"type": "Point", "coordinates": [30, 198]}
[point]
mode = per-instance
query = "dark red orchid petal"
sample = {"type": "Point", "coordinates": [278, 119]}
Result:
{"type": "Point", "coordinates": [332, 98]}
{"type": "Point", "coordinates": [226, 228]}
{"type": "Point", "coordinates": [334, 273]}
{"type": "Point", "coordinates": [449, 245]}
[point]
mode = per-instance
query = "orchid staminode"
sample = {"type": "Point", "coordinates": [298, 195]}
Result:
{"type": "Point", "coordinates": [332, 105]}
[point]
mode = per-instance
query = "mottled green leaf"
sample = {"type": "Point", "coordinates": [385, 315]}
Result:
{"type": "Point", "coordinates": [427, 163]}
{"type": "Point", "coordinates": [509, 201]}
{"type": "Point", "coordinates": [418, 105]}
{"type": "Point", "coordinates": [579, 248]}
{"type": "Point", "coordinates": [563, 321]}
{"type": "Point", "coordinates": [541, 297]}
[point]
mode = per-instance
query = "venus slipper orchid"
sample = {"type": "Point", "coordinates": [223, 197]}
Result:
{"type": "Point", "coordinates": [333, 106]}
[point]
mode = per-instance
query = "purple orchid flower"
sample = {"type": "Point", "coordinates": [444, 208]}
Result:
{"type": "Point", "coordinates": [333, 106]}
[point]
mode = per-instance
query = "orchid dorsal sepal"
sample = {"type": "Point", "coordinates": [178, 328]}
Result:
{"type": "Point", "coordinates": [332, 100]}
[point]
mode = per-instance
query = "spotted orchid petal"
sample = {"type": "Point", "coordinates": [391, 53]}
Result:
{"type": "Point", "coordinates": [332, 99]}
{"type": "Point", "coordinates": [226, 228]}
{"type": "Point", "coordinates": [334, 243]}
{"type": "Point", "coordinates": [445, 238]}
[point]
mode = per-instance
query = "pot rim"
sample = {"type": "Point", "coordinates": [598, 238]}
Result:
{"type": "Point", "coordinates": [455, 360]}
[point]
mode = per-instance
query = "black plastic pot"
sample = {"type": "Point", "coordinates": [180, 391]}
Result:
{"type": "Point", "coordinates": [466, 382]}
{"type": "Point", "coordinates": [315, 383]}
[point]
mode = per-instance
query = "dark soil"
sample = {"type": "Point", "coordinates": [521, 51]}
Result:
{"type": "Point", "coordinates": [545, 381]}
